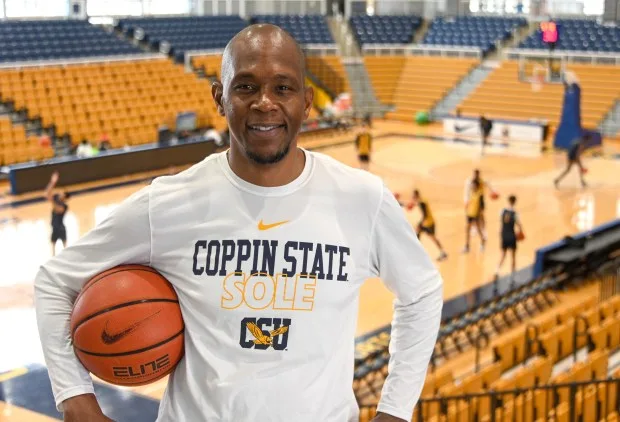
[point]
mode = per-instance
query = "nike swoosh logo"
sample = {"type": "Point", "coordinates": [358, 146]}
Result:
{"type": "Point", "coordinates": [108, 338]}
{"type": "Point", "coordinates": [263, 226]}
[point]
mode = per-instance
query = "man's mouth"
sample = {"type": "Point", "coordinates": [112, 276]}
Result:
{"type": "Point", "coordinates": [266, 127]}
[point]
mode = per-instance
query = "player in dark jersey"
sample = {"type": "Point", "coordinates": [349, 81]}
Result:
{"type": "Point", "coordinates": [509, 221]}
{"type": "Point", "coordinates": [59, 209]}
{"type": "Point", "coordinates": [427, 224]}
{"type": "Point", "coordinates": [574, 157]}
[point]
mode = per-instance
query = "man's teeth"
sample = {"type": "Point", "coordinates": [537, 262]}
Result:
{"type": "Point", "coordinates": [264, 128]}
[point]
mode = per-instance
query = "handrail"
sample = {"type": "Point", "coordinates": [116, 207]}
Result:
{"type": "Point", "coordinates": [82, 60]}
{"type": "Point", "coordinates": [573, 56]}
{"type": "Point", "coordinates": [420, 50]}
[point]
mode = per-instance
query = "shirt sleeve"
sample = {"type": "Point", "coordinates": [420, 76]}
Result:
{"type": "Point", "coordinates": [399, 259]}
{"type": "Point", "coordinates": [123, 237]}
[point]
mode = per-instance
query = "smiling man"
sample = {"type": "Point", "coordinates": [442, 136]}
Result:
{"type": "Point", "coordinates": [267, 246]}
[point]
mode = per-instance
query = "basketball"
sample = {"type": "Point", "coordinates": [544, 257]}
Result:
{"type": "Point", "coordinates": [584, 170]}
{"type": "Point", "coordinates": [494, 195]}
{"type": "Point", "coordinates": [520, 236]}
{"type": "Point", "coordinates": [126, 326]}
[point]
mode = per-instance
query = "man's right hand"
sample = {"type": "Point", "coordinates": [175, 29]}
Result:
{"type": "Point", "coordinates": [83, 408]}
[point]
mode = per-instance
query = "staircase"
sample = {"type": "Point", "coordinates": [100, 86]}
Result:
{"type": "Point", "coordinates": [610, 126]}
{"type": "Point", "coordinates": [362, 92]}
{"type": "Point", "coordinates": [462, 90]}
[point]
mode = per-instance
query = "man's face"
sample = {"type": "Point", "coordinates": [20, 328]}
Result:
{"type": "Point", "coordinates": [264, 100]}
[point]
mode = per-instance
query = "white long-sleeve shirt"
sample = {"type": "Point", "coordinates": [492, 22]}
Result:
{"type": "Point", "coordinates": [314, 242]}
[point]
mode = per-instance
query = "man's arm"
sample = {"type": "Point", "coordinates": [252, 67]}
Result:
{"type": "Point", "coordinates": [123, 237]}
{"type": "Point", "coordinates": [398, 258]}
{"type": "Point", "coordinates": [50, 186]}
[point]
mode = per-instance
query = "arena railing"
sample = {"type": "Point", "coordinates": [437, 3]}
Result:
{"type": "Point", "coordinates": [420, 50]}
{"type": "Point", "coordinates": [81, 60]}
{"type": "Point", "coordinates": [570, 56]}
{"type": "Point", "coordinates": [309, 50]}
{"type": "Point", "coordinates": [580, 401]}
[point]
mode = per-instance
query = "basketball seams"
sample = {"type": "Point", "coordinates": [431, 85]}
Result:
{"type": "Point", "coordinates": [119, 306]}
{"type": "Point", "coordinates": [132, 352]}
{"type": "Point", "coordinates": [105, 274]}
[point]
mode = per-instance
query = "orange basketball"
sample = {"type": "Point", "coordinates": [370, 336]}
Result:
{"type": "Point", "coordinates": [584, 170]}
{"type": "Point", "coordinates": [126, 326]}
{"type": "Point", "coordinates": [520, 236]}
{"type": "Point", "coordinates": [494, 195]}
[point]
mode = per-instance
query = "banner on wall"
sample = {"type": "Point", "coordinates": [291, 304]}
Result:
{"type": "Point", "coordinates": [504, 130]}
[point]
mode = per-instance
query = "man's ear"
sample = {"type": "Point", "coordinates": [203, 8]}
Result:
{"type": "Point", "coordinates": [308, 99]}
{"type": "Point", "coordinates": [217, 90]}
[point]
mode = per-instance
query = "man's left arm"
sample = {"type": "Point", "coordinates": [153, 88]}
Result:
{"type": "Point", "coordinates": [398, 258]}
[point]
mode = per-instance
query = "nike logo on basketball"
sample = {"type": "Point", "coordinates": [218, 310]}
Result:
{"type": "Point", "coordinates": [262, 226]}
{"type": "Point", "coordinates": [108, 338]}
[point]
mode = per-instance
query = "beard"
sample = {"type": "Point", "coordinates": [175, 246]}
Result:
{"type": "Point", "coordinates": [271, 158]}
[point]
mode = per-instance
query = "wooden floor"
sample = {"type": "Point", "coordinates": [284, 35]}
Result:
{"type": "Point", "coordinates": [437, 168]}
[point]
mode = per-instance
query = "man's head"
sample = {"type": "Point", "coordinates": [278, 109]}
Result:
{"type": "Point", "coordinates": [416, 194]}
{"type": "Point", "coordinates": [64, 195]}
{"type": "Point", "coordinates": [476, 173]}
{"type": "Point", "coordinates": [262, 92]}
{"type": "Point", "coordinates": [512, 200]}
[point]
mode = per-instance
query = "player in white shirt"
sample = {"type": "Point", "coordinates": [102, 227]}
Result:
{"type": "Point", "coordinates": [299, 228]}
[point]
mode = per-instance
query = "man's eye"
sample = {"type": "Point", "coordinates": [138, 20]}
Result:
{"type": "Point", "coordinates": [243, 87]}
{"type": "Point", "coordinates": [284, 88]}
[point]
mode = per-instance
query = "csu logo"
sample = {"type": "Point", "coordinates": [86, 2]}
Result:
{"type": "Point", "coordinates": [263, 333]}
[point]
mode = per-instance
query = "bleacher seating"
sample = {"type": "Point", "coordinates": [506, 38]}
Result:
{"type": "Point", "coordinates": [186, 33]}
{"type": "Point", "coordinates": [529, 383]}
{"type": "Point", "coordinates": [127, 101]}
{"type": "Point", "coordinates": [58, 39]}
{"type": "Point", "coordinates": [330, 71]}
{"type": "Point", "coordinates": [306, 29]}
{"type": "Point", "coordinates": [415, 83]}
{"type": "Point", "coordinates": [17, 147]}
{"type": "Point", "coordinates": [502, 95]}
{"type": "Point", "coordinates": [389, 29]}
{"type": "Point", "coordinates": [579, 35]}
{"type": "Point", "coordinates": [471, 31]}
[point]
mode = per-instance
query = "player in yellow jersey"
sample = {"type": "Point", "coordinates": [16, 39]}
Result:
{"type": "Point", "coordinates": [473, 208]}
{"type": "Point", "coordinates": [363, 143]}
{"type": "Point", "coordinates": [484, 185]}
{"type": "Point", "coordinates": [427, 224]}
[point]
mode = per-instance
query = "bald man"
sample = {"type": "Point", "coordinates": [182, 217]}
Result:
{"type": "Point", "coordinates": [267, 246]}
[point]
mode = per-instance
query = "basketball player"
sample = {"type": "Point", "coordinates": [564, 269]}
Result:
{"type": "Point", "coordinates": [304, 226]}
{"type": "Point", "coordinates": [509, 220]}
{"type": "Point", "coordinates": [363, 142]}
{"type": "Point", "coordinates": [483, 184]}
{"type": "Point", "coordinates": [427, 224]}
{"type": "Point", "coordinates": [574, 158]}
{"type": "Point", "coordinates": [485, 130]}
{"type": "Point", "coordinates": [472, 211]}
{"type": "Point", "coordinates": [59, 209]}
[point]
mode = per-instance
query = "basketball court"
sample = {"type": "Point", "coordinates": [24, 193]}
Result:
{"type": "Point", "coordinates": [438, 167]}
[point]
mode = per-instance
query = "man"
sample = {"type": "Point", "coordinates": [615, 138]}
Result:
{"type": "Point", "coordinates": [483, 184]}
{"type": "Point", "coordinates": [427, 224]}
{"type": "Point", "coordinates": [486, 126]}
{"type": "Point", "coordinates": [59, 209]}
{"type": "Point", "coordinates": [363, 143]}
{"type": "Point", "coordinates": [472, 212]}
{"type": "Point", "coordinates": [307, 228]}
{"type": "Point", "coordinates": [509, 220]}
{"type": "Point", "coordinates": [574, 158]}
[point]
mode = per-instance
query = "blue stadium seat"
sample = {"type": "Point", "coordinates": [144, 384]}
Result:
{"type": "Point", "coordinates": [389, 29]}
{"type": "Point", "coordinates": [472, 31]}
{"type": "Point", "coordinates": [579, 35]}
{"type": "Point", "coordinates": [43, 40]}
{"type": "Point", "coordinates": [306, 29]}
{"type": "Point", "coordinates": [186, 33]}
